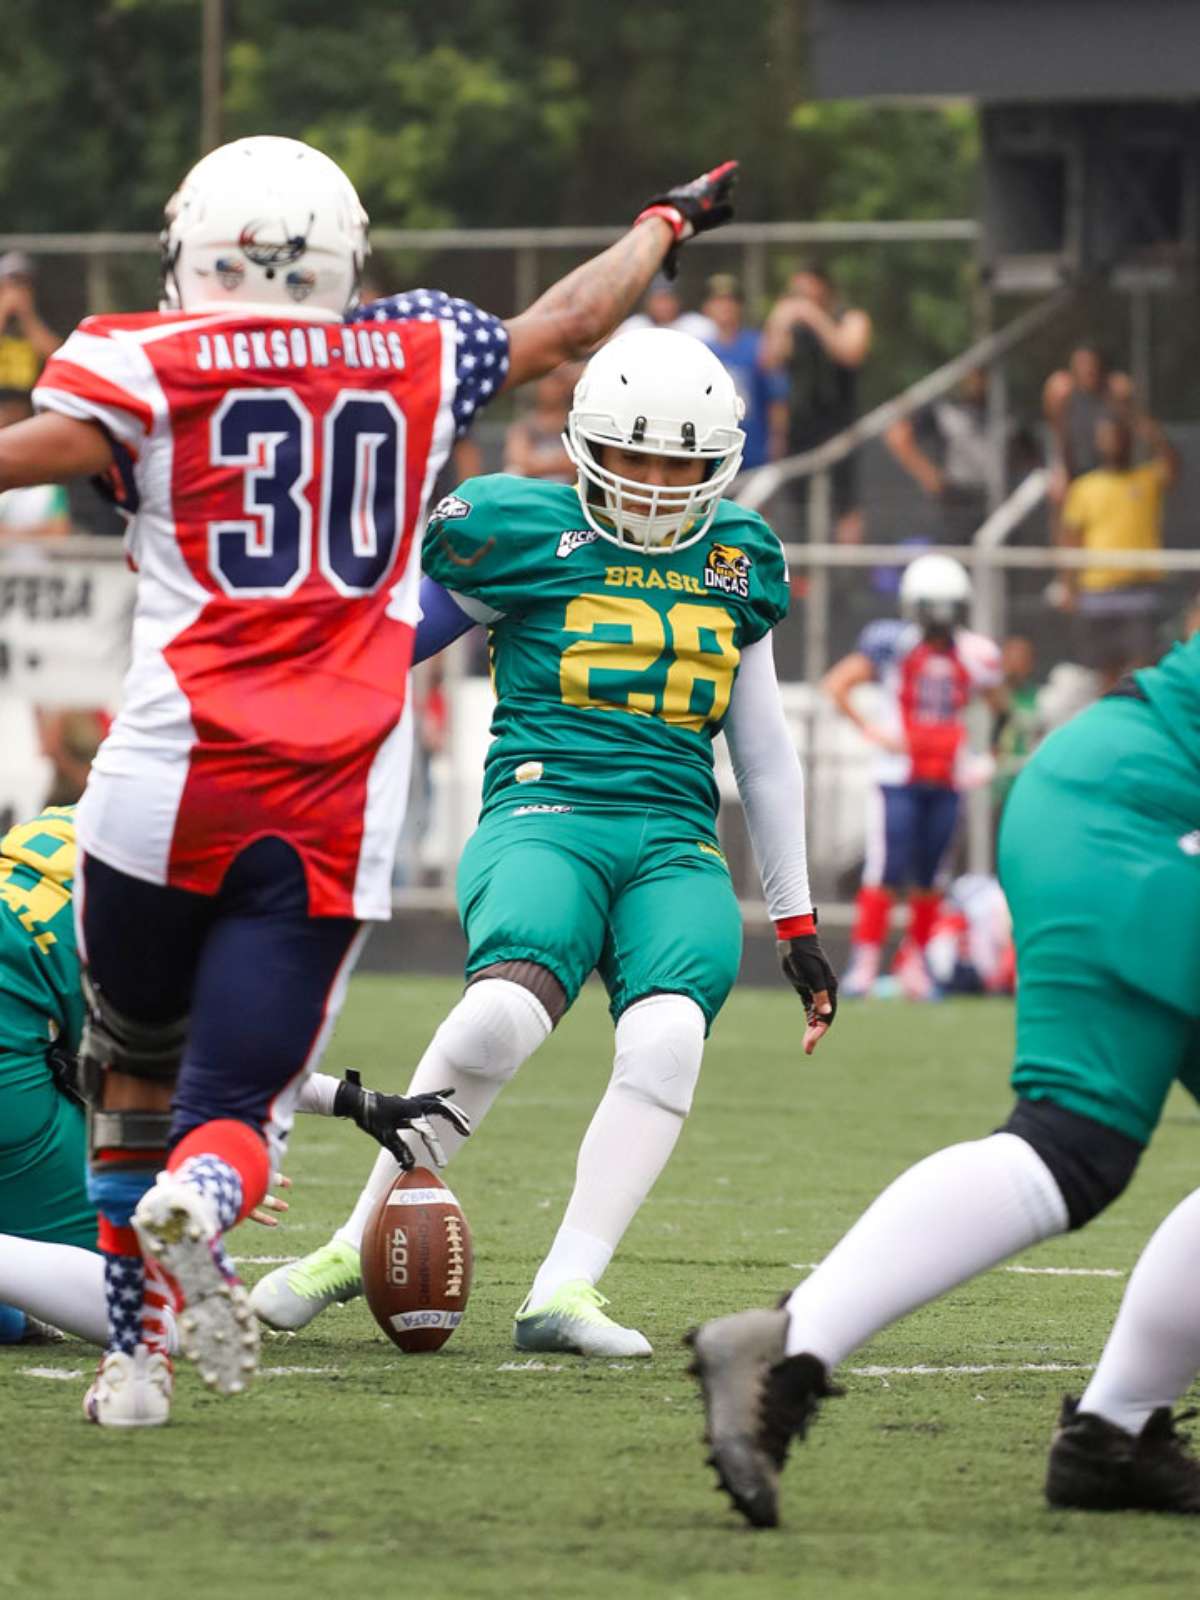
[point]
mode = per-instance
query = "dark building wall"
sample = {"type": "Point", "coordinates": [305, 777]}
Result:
{"type": "Point", "coordinates": [995, 50]}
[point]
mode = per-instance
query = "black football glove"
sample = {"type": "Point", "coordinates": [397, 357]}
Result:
{"type": "Point", "coordinates": [384, 1116]}
{"type": "Point", "coordinates": [806, 967]}
{"type": "Point", "coordinates": [692, 208]}
{"type": "Point", "coordinates": [65, 1071]}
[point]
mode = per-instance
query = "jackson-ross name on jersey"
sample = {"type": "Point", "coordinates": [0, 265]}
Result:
{"type": "Point", "coordinates": [277, 348]}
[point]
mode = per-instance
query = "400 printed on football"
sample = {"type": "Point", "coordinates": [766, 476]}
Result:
{"type": "Point", "coordinates": [416, 1262]}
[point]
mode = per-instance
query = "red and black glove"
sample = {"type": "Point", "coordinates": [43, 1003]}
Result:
{"type": "Point", "coordinates": [693, 208]}
{"type": "Point", "coordinates": [806, 966]}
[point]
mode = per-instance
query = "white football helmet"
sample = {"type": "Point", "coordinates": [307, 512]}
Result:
{"type": "Point", "coordinates": [264, 224]}
{"type": "Point", "coordinates": [935, 591]}
{"type": "Point", "coordinates": [661, 393]}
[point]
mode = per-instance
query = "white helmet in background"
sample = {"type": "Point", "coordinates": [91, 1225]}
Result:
{"type": "Point", "coordinates": [661, 393]}
{"type": "Point", "coordinates": [264, 224]}
{"type": "Point", "coordinates": [935, 591]}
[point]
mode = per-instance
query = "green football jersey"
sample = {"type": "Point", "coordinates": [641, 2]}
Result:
{"type": "Point", "coordinates": [1173, 689]}
{"type": "Point", "coordinates": [39, 964]}
{"type": "Point", "coordinates": [612, 669]}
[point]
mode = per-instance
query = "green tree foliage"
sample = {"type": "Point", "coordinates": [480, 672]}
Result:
{"type": "Point", "coordinates": [490, 113]}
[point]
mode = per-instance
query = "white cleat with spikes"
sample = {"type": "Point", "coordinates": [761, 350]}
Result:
{"type": "Point", "coordinates": [177, 1227]}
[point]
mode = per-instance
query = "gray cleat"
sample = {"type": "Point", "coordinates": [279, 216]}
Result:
{"type": "Point", "coordinates": [756, 1398]}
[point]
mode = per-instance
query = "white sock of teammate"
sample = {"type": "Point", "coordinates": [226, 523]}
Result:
{"type": "Point", "coordinates": [495, 1027]}
{"type": "Point", "coordinates": [1153, 1351]}
{"type": "Point", "coordinates": [659, 1045]}
{"type": "Point", "coordinates": [57, 1283]}
{"type": "Point", "coordinates": [954, 1214]}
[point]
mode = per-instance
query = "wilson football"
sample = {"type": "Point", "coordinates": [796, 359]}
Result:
{"type": "Point", "coordinates": [416, 1262]}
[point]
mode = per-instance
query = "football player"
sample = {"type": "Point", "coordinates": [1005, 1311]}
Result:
{"type": "Point", "coordinates": [1100, 860]}
{"type": "Point", "coordinates": [49, 1267]}
{"type": "Point", "coordinates": [929, 667]}
{"type": "Point", "coordinates": [274, 443]}
{"type": "Point", "coordinates": [630, 621]}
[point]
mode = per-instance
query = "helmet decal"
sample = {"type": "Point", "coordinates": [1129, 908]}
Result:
{"type": "Point", "coordinates": [263, 251]}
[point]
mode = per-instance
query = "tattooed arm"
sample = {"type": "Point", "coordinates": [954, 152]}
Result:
{"type": "Point", "coordinates": [583, 308]}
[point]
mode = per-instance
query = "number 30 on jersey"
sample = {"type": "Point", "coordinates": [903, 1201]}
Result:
{"type": "Point", "coordinates": [269, 551]}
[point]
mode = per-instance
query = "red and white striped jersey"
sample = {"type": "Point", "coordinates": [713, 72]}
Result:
{"type": "Point", "coordinates": [927, 689]}
{"type": "Point", "coordinates": [277, 473]}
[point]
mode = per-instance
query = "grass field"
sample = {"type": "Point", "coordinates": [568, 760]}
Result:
{"type": "Point", "coordinates": [352, 1470]}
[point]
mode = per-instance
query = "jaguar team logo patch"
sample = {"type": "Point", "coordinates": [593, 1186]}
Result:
{"type": "Point", "coordinates": [449, 508]}
{"type": "Point", "coordinates": [728, 569]}
{"type": "Point", "coordinates": [574, 539]}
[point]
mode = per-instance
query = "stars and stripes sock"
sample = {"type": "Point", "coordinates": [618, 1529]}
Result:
{"type": "Point", "coordinates": [218, 1182]}
{"type": "Point", "coordinates": [123, 1286]}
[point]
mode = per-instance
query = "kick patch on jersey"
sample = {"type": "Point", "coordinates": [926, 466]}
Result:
{"type": "Point", "coordinates": [727, 568]}
{"type": "Point", "coordinates": [574, 539]}
{"type": "Point", "coordinates": [449, 509]}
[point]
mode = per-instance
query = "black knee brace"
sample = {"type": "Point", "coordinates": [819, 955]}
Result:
{"type": "Point", "coordinates": [531, 975]}
{"type": "Point", "coordinates": [1090, 1162]}
{"type": "Point", "coordinates": [113, 1042]}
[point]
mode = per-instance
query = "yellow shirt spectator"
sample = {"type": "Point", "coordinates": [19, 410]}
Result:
{"type": "Point", "coordinates": [1118, 511]}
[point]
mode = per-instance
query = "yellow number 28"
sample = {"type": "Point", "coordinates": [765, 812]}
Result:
{"type": "Point", "coordinates": [626, 638]}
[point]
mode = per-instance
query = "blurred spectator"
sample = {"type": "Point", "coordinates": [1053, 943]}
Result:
{"type": "Point", "coordinates": [1117, 506]}
{"type": "Point", "coordinates": [1018, 724]}
{"type": "Point", "coordinates": [738, 348]}
{"type": "Point", "coordinates": [1074, 400]}
{"type": "Point", "coordinates": [662, 308]}
{"type": "Point", "coordinates": [533, 446]}
{"type": "Point", "coordinates": [69, 739]}
{"type": "Point", "coordinates": [25, 340]}
{"type": "Point", "coordinates": [820, 345]}
{"type": "Point", "coordinates": [946, 449]}
{"type": "Point", "coordinates": [36, 511]}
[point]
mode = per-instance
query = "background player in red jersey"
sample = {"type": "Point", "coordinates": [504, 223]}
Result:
{"type": "Point", "coordinates": [275, 446]}
{"type": "Point", "coordinates": [929, 668]}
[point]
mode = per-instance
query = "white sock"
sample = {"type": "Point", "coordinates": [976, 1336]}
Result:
{"type": "Point", "coordinates": [495, 1027]}
{"type": "Point", "coordinates": [1153, 1351]}
{"type": "Point", "coordinates": [57, 1283]}
{"type": "Point", "coordinates": [629, 1141]}
{"type": "Point", "coordinates": [954, 1214]}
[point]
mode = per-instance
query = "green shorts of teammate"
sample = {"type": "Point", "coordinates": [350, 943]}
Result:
{"type": "Point", "coordinates": [636, 893]}
{"type": "Point", "coordinates": [43, 1156]}
{"type": "Point", "coordinates": [1100, 859]}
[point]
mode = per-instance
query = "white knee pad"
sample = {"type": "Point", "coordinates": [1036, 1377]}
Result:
{"type": "Point", "coordinates": [660, 1043]}
{"type": "Point", "coordinates": [494, 1028]}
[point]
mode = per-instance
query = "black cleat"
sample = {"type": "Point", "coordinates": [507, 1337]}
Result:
{"type": "Point", "coordinates": [756, 1400]}
{"type": "Point", "coordinates": [1096, 1466]}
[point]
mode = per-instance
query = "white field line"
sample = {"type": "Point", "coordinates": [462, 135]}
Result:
{"type": "Point", "coordinates": [70, 1374]}
{"type": "Point", "coordinates": [951, 1372]}
{"type": "Point", "coordinates": [1025, 1272]}
{"type": "Point", "coordinates": [263, 1261]}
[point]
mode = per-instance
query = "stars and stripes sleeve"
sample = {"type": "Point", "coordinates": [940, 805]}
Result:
{"type": "Point", "coordinates": [481, 364]}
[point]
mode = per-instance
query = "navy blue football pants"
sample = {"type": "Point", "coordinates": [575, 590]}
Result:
{"type": "Point", "coordinates": [260, 980]}
{"type": "Point", "coordinates": [918, 825]}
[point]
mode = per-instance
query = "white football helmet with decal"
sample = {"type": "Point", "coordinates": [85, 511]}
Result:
{"type": "Point", "coordinates": [660, 393]}
{"type": "Point", "coordinates": [264, 224]}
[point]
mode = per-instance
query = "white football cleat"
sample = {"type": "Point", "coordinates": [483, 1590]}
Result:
{"type": "Point", "coordinates": [290, 1297]}
{"type": "Point", "coordinates": [572, 1322]}
{"type": "Point", "coordinates": [177, 1227]}
{"type": "Point", "coordinates": [130, 1391]}
{"type": "Point", "coordinates": [859, 978]}
{"type": "Point", "coordinates": [912, 973]}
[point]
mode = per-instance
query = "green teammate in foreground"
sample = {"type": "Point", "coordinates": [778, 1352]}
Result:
{"type": "Point", "coordinates": [629, 623]}
{"type": "Point", "coordinates": [49, 1268]}
{"type": "Point", "coordinates": [1100, 859]}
